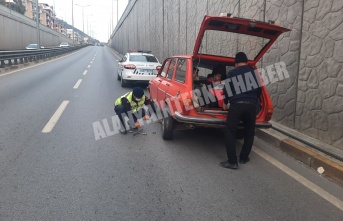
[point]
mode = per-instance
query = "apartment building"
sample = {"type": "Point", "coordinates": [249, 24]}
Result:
{"type": "Point", "coordinates": [59, 27]}
{"type": "Point", "coordinates": [47, 15]}
{"type": "Point", "coordinates": [31, 9]}
{"type": "Point", "coordinates": [46, 12]}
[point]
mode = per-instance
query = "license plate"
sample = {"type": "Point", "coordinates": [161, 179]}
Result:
{"type": "Point", "coordinates": [144, 72]}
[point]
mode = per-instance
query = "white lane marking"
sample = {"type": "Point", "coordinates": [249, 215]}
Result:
{"type": "Point", "coordinates": [89, 66]}
{"type": "Point", "coordinates": [53, 120]}
{"type": "Point", "coordinates": [77, 84]}
{"type": "Point", "coordinates": [318, 190]}
{"type": "Point", "coordinates": [91, 62]}
{"type": "Point", "coordinates": [85, 72]}
{"type": "Point", "coordinates": [44, 62]}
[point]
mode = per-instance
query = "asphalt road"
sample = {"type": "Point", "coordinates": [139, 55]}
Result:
{"type": "Point", "coordinates": [66, 174]}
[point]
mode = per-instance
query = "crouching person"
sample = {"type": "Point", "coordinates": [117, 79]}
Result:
{"type": "Point", "coordinates": [131, 105]}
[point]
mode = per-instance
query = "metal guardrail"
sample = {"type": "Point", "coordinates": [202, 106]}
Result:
{"type": "Point", "coordinates": [9, 58]}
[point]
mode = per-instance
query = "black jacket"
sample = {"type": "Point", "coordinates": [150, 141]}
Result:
{"type": "Point", "coordinates": [242, 84]}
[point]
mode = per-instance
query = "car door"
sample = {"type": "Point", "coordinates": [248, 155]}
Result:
{"type": "Point", "coordinates": [165, 82]}
{"type": "Point", "coordinates": [156, 81]}
{"type": "Point", "coordinates": [179, 88]}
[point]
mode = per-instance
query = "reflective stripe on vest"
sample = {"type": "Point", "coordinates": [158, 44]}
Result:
{"type": "Point", "coordinates": [134, 106]}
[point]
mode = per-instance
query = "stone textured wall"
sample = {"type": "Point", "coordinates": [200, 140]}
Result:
{"type": "Point", "coordinates": [319, 111]}
{"type": "Point", "coordinates": [310, 100]}
{"type": "Point", "coordinates": [286, 49]}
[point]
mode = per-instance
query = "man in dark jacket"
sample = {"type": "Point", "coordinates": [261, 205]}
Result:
{"type": "Point", "coordinates": [241, 92]}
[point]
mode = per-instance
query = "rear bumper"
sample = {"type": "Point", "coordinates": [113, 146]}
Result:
{"type": "Point", "coordinates": [129, 76]}
{"type": "Point", "coordinates": [129, 81]}
{"type": "Point", "coordinates": [212, 122]}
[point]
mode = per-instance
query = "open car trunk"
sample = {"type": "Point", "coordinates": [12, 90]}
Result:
{"type": "Point", "coordinates": [220, 38]}
{"type": "Point", "coordinates": [207, 95]}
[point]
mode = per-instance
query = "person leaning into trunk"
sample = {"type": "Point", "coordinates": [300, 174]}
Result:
{"type": "Point", "coordinates": [242, 108]}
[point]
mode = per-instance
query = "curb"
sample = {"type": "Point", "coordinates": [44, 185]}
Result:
{"type": "Point", "coordinates": [115, 53]}
{"type": "Point", "coordinates": [333, 169]}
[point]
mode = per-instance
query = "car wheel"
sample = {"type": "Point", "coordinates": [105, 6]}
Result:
{"type": "Point", "coordinates": [168, 128]}
{"type": "Point", "coordinates": [122, 82]}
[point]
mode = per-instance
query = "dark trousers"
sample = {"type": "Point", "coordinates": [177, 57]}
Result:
{"type": "Point", "coordinates": [122, 110]}
{"type": "Point", "coordinates": [236, 113]}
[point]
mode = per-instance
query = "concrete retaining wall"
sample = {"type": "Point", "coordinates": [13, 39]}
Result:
{"type": "Point", "coordinates": [17, 31]}
{"type": "Point", "coordinates": [310, 101]}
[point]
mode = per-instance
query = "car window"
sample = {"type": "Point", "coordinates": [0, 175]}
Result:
{"type": "Point", "coordinates": [180, 75]}
{"type": "Point", "coordinates": [171, 68]}
{"type": "Point", "coordinates": [165, 68]}
{"type": "Point", "coordinates": [143, 58]}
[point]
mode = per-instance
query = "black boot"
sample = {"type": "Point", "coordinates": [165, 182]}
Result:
{"type": "Point", "coordinates": [122, 129]}
{"type": "Point", "coordinates": [228, 165]}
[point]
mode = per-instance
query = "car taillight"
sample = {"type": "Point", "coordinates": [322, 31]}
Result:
{"type": "Point", "coordinates": [129, 66]}
{"type": "Point", "coordinates": [158, 68]}
{"type": "Point", "coordinates": [269, 113]}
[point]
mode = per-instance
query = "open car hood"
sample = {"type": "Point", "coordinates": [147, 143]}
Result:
{"type": "Point", "coordinates": [220, 38]}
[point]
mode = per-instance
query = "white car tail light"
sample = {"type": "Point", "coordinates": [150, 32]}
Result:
{"type": "Point", "coordinates": [129, 66]}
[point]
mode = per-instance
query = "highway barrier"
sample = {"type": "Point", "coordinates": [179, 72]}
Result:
{"type": "Point", "coordinates": [9, 58]}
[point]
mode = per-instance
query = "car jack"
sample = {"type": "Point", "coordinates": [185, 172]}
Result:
{"type": "Point", "coordinates": [137, 131]}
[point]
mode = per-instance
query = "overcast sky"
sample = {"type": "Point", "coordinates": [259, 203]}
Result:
{"type": "Point", "coordinates": [97, 16]}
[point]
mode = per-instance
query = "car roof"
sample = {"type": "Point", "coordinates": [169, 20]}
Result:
{"type": "Point", "coordinates": [139, 53]}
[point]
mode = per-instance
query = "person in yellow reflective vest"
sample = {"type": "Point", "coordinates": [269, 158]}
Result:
{"type": "Point", "coordinates": [131, 105]}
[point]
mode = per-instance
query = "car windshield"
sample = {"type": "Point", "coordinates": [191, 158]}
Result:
{"type": "Point", "coordinates": [32, 46]}
{"type": "Point", "coordinates": [227, 44]}
{"type": "Point", "coordinates": [143, 58]}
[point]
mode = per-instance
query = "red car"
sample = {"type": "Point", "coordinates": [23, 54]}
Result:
{"type": "Point", "coordinates": [177, 89]}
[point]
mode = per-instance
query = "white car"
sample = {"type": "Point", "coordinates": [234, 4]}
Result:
{"type": "Point", "coordinates": [137, 67]}
{"type": "Point", "coordinates": [64, 44]}
{"type": "Point", "coordinates": [33, 47]}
